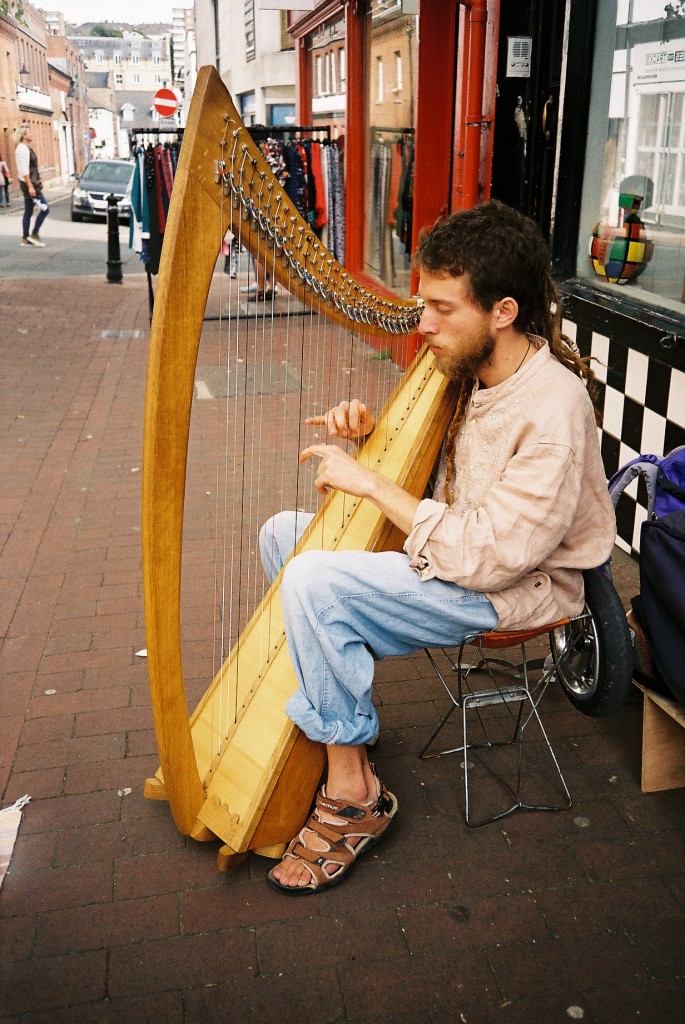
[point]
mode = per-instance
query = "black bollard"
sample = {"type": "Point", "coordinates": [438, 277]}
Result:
{"type": "Point", "coordinates": [114, 274]}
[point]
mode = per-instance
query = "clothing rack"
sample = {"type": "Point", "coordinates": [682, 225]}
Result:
{"type": "Point", "coordinates": [132, 132]}
{"type": "Point", "coordinates": [135, 137]}
{"type": "Point", "coordinates": [271, 131]}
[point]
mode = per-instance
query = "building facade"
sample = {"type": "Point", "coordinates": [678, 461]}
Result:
{"type": "Point", "coordinates": [64, 53]}
{"type": "Point", "coordinates": [103, 116]}
{"type": "Point", "coordinates": [40, 85]}
{"type": "Point", "coordinates": [138, 64]}
{"type": "Point", "coordinates": [254, 54]}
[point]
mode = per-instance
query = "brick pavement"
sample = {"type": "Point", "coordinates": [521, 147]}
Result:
{"type": "Point", "coordinates": [109, 915]}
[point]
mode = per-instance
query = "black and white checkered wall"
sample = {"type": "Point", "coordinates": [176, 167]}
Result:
{"type": "Point", "coordinates": [643, 409]}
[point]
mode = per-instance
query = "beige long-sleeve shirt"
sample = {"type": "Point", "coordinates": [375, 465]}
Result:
{"type": "Point", "coordinates": [531, 506]}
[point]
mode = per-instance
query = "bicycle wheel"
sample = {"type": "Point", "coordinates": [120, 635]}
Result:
{"type": "Point", "coordinates": [593, 655]}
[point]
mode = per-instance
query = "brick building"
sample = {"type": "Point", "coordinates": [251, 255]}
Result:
{"type": "Point", "coordinates": [33, 93]}
{"type": "Point", "coordinates": [67, 55]}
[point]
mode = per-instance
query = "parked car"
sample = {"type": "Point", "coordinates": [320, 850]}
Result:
{"type": "Point", "coordinates": [100, 179]}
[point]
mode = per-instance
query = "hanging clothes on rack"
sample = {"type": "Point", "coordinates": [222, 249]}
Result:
{"type": "Point", "coordinates": [311, 173]}
{"type": "Point", "coordinates": [153, 179]}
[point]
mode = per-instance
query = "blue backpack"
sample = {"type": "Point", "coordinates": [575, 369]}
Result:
{"type": "Point", "coordinates": [660, 607]}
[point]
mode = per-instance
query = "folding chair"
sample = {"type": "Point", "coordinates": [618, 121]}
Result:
{"type": "Point", "coordinates": [520, 698]}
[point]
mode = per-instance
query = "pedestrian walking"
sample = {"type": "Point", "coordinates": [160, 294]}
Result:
{"type": "Point", "coordinates": [5, 181]}
{"type": "Point", "coordinates": [31, 187]}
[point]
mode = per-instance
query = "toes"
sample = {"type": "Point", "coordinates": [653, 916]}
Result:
{"type": "Point", "coordinates": [291, 873]}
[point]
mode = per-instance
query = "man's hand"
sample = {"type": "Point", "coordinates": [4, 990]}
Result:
{"type": "Point", "coordinates": [351, 420]}
{"type": "Point", "coordinates": [339, 470]}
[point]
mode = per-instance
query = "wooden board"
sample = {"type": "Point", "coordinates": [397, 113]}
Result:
{"type": "Point", "coordinates": [663, 742]}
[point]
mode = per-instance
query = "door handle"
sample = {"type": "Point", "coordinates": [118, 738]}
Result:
{"type": "Point", "coordinates": [547, 132]}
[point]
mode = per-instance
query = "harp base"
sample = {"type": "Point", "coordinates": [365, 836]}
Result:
{"type": "Point", "coordinates": [227, 859]}
{"type": "Point", "coordinates": [154, 790]}
{"type": "Point", "coordinates": [272, 852]}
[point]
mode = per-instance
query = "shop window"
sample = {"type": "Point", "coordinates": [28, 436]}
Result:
{"type": "Point", "coordinates": [633, 215]}
{"type": "Point", "coordinates": [391, 36]}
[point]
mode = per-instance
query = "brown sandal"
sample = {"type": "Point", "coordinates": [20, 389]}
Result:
{"type": "Point", "coordinates": [366, 822]}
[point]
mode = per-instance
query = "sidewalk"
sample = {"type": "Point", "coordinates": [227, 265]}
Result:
{"type": "Point", "coordinates": [108, 915]}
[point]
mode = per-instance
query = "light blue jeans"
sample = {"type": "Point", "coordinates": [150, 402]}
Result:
{"type": "Point", "coordinates": [343, 611]}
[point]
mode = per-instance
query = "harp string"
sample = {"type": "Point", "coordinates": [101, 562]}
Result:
{"type": "Point", "coordinates": [327, 362]}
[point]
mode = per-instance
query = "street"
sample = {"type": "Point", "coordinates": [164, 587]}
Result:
{"type": "Point", "coordinates": [72, 249]}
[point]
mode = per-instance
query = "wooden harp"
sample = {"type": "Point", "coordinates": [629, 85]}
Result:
{"type": "Point", "coordinates": [251, 786]}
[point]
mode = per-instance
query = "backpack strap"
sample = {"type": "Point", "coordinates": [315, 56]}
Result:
{"type": "Point", "coordinates": [644, 467]}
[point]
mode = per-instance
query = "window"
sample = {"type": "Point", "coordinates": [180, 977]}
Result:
{"type": "Point", "coordinates": [98, 56]}
{"type": "Point", "coordinates": [633, 215]}
{"type": "Point", "coordinates": [248, 108]}
{"type": "Point", "coordinates": [332, 85]}
{"type": "Point", "coordinates": [118, 79]}
{"type": "Point", "coordinates": [250, 44]}
{"type": "Point", "coordinates": [392, 52]}
{"type": "Point", "coordinates": [155, 59]}
{"type": "Point", "coordinates": [158, 79]}
{"type": "Point", "coordinates": [135, 59]}
{"type": "Point", "coordinates": [281, 114]}
{"type": "Point", "coordinates": [136, 79]}
{"type": "Point", "coordinates": [326, 57]}
{"type": "Point", "coordinates": [117, 58]}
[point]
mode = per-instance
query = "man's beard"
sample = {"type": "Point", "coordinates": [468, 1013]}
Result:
{"type": "Point", "coordinates": [468, 364]}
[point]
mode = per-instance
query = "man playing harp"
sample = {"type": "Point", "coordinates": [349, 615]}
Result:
{"type": "Point", "coordinates": [519, 508]}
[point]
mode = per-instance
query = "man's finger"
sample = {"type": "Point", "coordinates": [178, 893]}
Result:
{"type": "Point", "coordinates": [313, 450]}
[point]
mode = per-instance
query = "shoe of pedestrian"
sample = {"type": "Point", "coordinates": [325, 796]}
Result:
{"type": "Point", "coordinates": [27, 241]}
{"type": "Point", "coordinates": [35, 240]}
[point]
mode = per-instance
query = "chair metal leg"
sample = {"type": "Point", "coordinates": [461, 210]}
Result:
{"type": "Point", "coordinates": [521, 701]}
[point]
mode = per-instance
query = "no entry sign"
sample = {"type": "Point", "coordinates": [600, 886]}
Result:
{"type": "Point", "coordinates": [165, 103]}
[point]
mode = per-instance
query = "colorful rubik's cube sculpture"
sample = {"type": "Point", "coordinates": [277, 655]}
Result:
{"type": "Point", "coordinates": [621, 253]}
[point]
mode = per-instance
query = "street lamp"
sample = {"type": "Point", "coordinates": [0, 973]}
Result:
{"type": "Point", "coordinates": [24, 76]}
